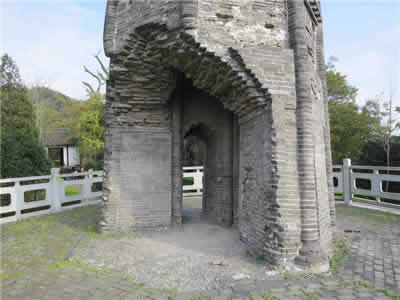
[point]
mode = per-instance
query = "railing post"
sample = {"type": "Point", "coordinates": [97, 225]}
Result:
{"type": "Point", "coordinates": [19, 200]}
{"type": "Point", "coordinates": [54, 190]}
{"type": "Point", "coordinates": [198, 180]}
{"type": "Point", "coordinates": [376, 185]}
{"type": "Point", "coordinates": [86, 190]}
{"type": "Point", "coordinates": [347, 188]}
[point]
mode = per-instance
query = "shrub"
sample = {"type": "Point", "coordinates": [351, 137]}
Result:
{"type": "Point", "coordinates": [22, 155]}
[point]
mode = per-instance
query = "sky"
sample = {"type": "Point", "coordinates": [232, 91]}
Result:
{"type": "Point", "coordinates": [51, 40]}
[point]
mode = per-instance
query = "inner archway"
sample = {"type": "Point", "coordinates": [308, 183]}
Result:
{"type": "Point", "coordinates": [205, 121]}
{"type": "Point", "coordinates": [194, 167]}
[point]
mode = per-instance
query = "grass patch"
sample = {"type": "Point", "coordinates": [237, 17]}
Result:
{"type": "Point", "coordinates": [269, 297]}
{"type": "Point", "coordinates": [364, 197]}
{"type": "Point", "coordinates": [337, 260]}
{"type": "Point", "coordinates": [366, 284]}
{"type": "Point", "coordinates": [372, 215]}
{"type": "Point", "coordinates": [34, 244]}
{"type": "Point", "coordinates": [71, 191]}
{"type": "Point", "coordinates": [42, 246]}
{"type": "Point", "coordinates": [310, 295]}
{"type": "Point", "coordinates": [188, 180]}
{"type": "Point", "coordinates": [387, 292]}
{"type": "Point", "coordinates": [259, 259]}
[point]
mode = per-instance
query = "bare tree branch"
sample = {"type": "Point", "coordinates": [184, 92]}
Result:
{"type": "Point", "coordinates": [105, 70]}
{"type": "Point", "coordinates": [100, 76]}
{"type": "Point", "coordinates": [89, 87]}
{"type": "Point", "coordinates": [95, 76]}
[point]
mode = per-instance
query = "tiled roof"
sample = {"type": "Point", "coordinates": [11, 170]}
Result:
{"type": "Point", "coordinates": [57, 137]}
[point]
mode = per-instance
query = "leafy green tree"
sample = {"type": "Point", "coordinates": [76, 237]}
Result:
{"type": "Point", "coordinates": [9, 73]}
{"type": "Point", "coordinates": [350, 130]}
{"type": "Point", "coordinates": [339, 89]}
{"type": "Point", "coordinates": [21, 153]}
{"type": "Point", "coordinates": [92, 122]}
{"type": "Point", "coordinates": [54, 110]}
{"type": "Point", "coordinates": [373, 111]}
{"type": "Point", "coordinates": [351, 126]}
{"type": "Point", "coordinates": [16, 110]}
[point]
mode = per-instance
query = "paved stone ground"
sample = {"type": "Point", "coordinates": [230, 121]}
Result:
{"type": "Point", "coordinates": [374, 241]}
{"type": "Point", "coordinates": [61, 257]}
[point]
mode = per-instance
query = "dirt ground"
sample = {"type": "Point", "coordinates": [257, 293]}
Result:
{"type": "Point", "coordinates": [61, 256]}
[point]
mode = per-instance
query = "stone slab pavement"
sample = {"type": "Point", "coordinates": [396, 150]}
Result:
{"type": "Point", "coordinates": [62, 257]}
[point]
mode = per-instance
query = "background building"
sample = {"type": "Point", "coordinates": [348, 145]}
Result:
{"type": "Point", "coordinates": [61, 148]}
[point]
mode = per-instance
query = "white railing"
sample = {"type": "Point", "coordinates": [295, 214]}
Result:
{"type": "Point", "coordinates": [338, 178]}
{"type": "Point", "coordinates": [49, 193]}
{"type": "Point", "coordinates": [350, 177]}
{"type": "Point", "coordinates": [195, 189]}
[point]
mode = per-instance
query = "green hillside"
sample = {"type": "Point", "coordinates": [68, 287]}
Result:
{"type": "Point", "coordinates": [55, 110]}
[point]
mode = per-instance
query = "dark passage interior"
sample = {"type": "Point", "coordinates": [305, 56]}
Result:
{"type": "Point", "coordinates": [207, 125]}
{"type": "Point", "coordinates": [194, 153]}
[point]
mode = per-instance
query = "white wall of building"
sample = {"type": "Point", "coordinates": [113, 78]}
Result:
{"type": "Point", "coordinates": [71, 156]}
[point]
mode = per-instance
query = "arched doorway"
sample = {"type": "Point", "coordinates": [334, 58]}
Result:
{"type": "Point", "coordinates": [204, 118]}
{"type": "Point", "coordinates": [252, 176]}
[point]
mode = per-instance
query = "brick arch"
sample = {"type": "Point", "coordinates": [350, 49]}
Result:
{"type": "Point", "coordinates": [152, 55]}
{"type": "Point", "coordinates": [143, 77]}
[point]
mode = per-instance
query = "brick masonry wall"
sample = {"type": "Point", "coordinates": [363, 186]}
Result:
{"type": "Point", "coordinates": [262, 60]}
{"type": "Point", "coordinates": [239, 24]}
{"type": "Point", "coordinates": [321, 70]}
{"type": "Point", "coordinates": [312, 152]}
{"type": "Point", "coordinates": [254, 175]}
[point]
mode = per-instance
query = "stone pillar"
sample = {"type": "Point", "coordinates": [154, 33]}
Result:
{"type": "Point", "coordinates": [109, 26]}
{"type": "Point", "coordinates": [327, 130]}
{"type": "Point", "coordinates": [311, 254]}
{"type": "Point", "coordinates": [177, 156]}
{"type": "Point", "coordinates": [55, 190]}
{"type": "Point", "coordinates": [235, 171]}
{"type": "Point", "coordinates": [189, 13]}
{"type": "Point", "coordinates": [111, 192]}
{"type": "Point", "coordinates": [347, 185]}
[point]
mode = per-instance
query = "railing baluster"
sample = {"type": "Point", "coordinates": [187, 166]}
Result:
{"type": "Point", "coordinates": [55, 189]}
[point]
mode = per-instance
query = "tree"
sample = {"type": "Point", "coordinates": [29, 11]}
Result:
{"type": "Point", "coordinates": [54, 110]}
{"type": "Point", "coordinates": [92, 120]}
{"type": "Point", "coordinates": [390, 125]}
{"type": "Point", "coordinates": [388, 130]}
{"type": "Point", "coordinates": [351, 126]}
{"type": "Point", "coordinates": [92, 124]}
{"type": "Point", "coordinates": [9, 73]}
{"type": "Point", "coordinates": [100, 76]}
{"type": "Point", "coordinates": [21, 153]}
{"type": "Point", "coordinates": [397, 109]}
{"type": "Point", "coordinates": [16, 109]}
{"type": "Point", "coordinates": [339, 90]}
{"type": "Point", "coordinates": [350, 131]}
